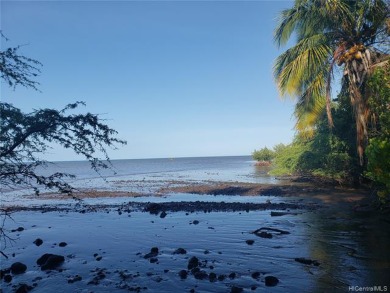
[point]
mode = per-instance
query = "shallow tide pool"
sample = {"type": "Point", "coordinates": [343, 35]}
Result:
{"type": "Point", "coordinates": [107, 250]}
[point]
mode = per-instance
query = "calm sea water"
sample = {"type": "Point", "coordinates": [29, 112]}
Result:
{"type": "Point", "coordinates": [230, 166]}
{"type": "Point", "coordinates": [152, 171]}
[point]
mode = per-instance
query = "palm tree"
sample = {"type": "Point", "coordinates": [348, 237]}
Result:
{"type": "Point", "coordinates": [353, 35]}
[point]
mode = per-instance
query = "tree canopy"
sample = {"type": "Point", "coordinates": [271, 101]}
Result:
{"type": "Point", "coordinates": [353, 35]}
{"type": "Point", "coordinates": [24, 137]}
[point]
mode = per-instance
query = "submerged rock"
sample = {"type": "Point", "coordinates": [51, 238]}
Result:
{"type": "Point", "coordinates": [183, 274]}
{"type": "Point", "coordinates": [62, 244]}
{"type": "Point", "coordinates": [307, 261]}
{"type": "Point", "coordinates": [50, 261]}
{"type": "Point", "coordinates": [18, 268]}
{"type": "Point", "coordinates": [250, 241]}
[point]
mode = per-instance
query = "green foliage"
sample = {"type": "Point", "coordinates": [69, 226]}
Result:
{"type": "Point", "coordinates": [378, 150]}
{"type": "Point", "coordinates": [263, 154]}
{"type": "Point", "coordinates": [350, 34]}
{"type": "Point", "coordinates": [378, 167]}
{"type": "Point", "coordinates": [287, 157]}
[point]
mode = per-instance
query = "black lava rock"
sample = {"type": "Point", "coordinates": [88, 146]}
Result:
{"type": "Point", "coordinates": [271, 281]}
{"type": "Point", "coordinates": [38, 242]}
{"type": "Point", "coordinates": [62, 244]}
{"type": "Point", "coordinates": [50, 261]}
{"type": "Point", "coordinates": [153, 253]}
{"type": "Point", "coordinates": [180, 251]}
{"type": "Point", "coordinates": [250, 242]}
{"type": "Point", "coordinates": [163, 214]}
{"type": "Point", "coordinates": [18, 268]}
{"type": "Point", "coordinates": [264, 234]}
{"type": "Point", "coordinates": [153, 208]}
{"type": "Point", "coordinates": [201, 275]}
{"type": "Point", "coordinates": [213, 277]}
{"type": "Point", "coordinates": [255, 275]}
{"type": "Point", "coordinates": [193, 263]}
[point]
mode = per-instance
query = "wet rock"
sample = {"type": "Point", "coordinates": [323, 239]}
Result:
{"type": "Point", "coordinates": [250, 242]}
{"type": "Point", "coordinates": [153, 259]}
{"type": "Point", "coordinates": [212, 277]}
{"type": "Point", "coordinates": [253, 288]}
{"type": "Point", "coordinates": [232, 276]}
{"type": "Point", "coordinates": [153, 253]}
{"type": "Point", "coordinates": [7, 278]}
{"type": "Point", "coordinates": [221, 277]}
{"type": "Point", "coordinates": [183, 274]}
{"type": "Point", "coordinates": [23, 288]}
{"type": "Point", "coordinates": [38, 242]}
{"type": "Point", "coordinates": [201, 275]}
{"type": "Point", "coordinates": [271, 281]}
{"type": "Point", "coordinates": [307, 261]}
{"type": "Point", "coordinates": [18, 268]}
{"type": "Point", "coordinates": [193, 263]}
{"type": "Point", "coordinates": [195, 222]}
{"type": "Point", "coordinates": [50, 261]}
{"type": "Point", "coordinates": [255, 275]}
{"type": "Point", "coordinates": [265, 232]}
{"type": "Point", "coordinates": [153, 208]}
{"type": "Point", "coordinates": [236, 289]}
{"type": "Point", "coordinates": [62, 244]}
{"type": "Point", "coordinates": [163, 214]}
{"type": "Point", "coordinates": [279, 214]}
{"type": "Point", "coordinates": [19, 229]}
{"type": "Point", "coordinates": [180, 251]}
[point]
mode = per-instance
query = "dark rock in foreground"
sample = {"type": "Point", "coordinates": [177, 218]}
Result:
{"type": "Point", "coordinates": [18, 268]}
{"type": "Point", "coordinates": [23, 288]}
{"type": "Point", "coordinates": [265, 232]}
{"type": "Point", "coordinates": [153, 253]}
{"type": "Point", "coordinates": [271, 281]}
{"type": "Point", "coordinates": [38, 242]}
{"type": "Point", "coordinates": [50, 261]}
{"type": "Point", "coordinates": [180, 251]}
{"type": "Point", "coordinates": [193, 263]}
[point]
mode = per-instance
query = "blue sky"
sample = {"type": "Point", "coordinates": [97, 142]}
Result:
{"type": "Point", "coordinates": [174, 78]}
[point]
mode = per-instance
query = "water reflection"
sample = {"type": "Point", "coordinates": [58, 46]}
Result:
{"type": "Point", "coordinates": [352, 247]}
